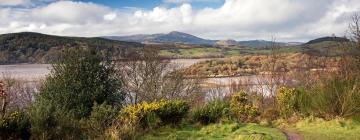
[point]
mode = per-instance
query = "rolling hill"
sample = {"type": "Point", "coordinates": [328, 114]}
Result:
{"type": "Point", "coordinates": [28, 47]}
{"type": "Point", "coordinates": [323, 39]}
{"type": "Point", "coordinates": [184, 38]}
{"type": "Point", "coordinates": [172, 37]}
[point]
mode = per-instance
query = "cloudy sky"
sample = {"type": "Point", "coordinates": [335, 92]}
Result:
{"type": "Point", "coordinates": [287, 20]}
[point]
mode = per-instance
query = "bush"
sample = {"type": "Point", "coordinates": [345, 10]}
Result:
{"type": "Point", "coordinates": [101, 118]}
{"type": "Point", "coordinates": [53, 122]}
{"type": "Point", "coordinates": [15, 126]}
{"type": "Point", "coordinates": [270, 114]}
{"type": "Point", "coordinates": [147, 115]}
{"type": "Point", "coordinates": [241, 108]}
{"type": "Point", "coordinates": [139, 114]}
{"type": "Point", "coordinates": [80, 79]}
{"type": "Point", "coordinates": [212, 112]}
{"type": "Point", "coordinates": [287, 101]}
{"type": "Point", "coordinates": [172, 112]}
{"type": "Point", "coordinates": [335, 97]}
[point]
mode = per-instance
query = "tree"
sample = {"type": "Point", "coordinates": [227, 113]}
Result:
{"type": "Point", "coordinates": [80, 79]}
{"type": "Point", "coordinates": [147, 77]}
{"type": "Point", "coordinates": [354, 28]}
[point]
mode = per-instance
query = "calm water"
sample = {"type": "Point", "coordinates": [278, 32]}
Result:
{"type": "Point", "coordinates": [36, 72]}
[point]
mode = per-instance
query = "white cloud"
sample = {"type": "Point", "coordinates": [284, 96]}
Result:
{"type": "Point", "coordinates": [238, 19]}
{"type": "Point", "coordinates": [13, 2]}
{"type": "Point", "coordinates": [188, 1]}
{"type": "Point", "coordinates": [110, 16]}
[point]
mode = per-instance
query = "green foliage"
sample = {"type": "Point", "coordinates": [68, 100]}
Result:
{"type": "Point", "coordinates": [211, 112]}
{"type": "Point", "coordinates": [172, 112]}
{"type": "Point", "coordinates": [335, 97]}
{"type": "Point", "coordinates": [287, 101]}
{"type": "Point", "coordinates": [53, 122]}
{"type": "Point", "coordinates": [15, 126]}
{"type": "Point", "coordinates": [142, 116]}
{"type": "Point", "coordinates": [101, 118]}
{"type": "Point", "coordinates": [242, 108]}
{"type": "Point", "coordinates": [79, 80]}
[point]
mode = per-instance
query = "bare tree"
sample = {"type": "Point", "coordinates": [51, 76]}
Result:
{"type": "Point", "coordinates": [147, 77]}
{"type": "Point", "coordinates": [354, 28]}
{"type": "Point", "coordinates": [273, 73]}
{"type": "Point", "coordinates": [16, 94]}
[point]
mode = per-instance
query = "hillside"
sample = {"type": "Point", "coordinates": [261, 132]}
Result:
{"type": "Point", "coordinates": [28, 47]}
{"type": "Point", "coordinates": [323, 39]}
{"type": "Point", "coordinates": [326, 46]}
{"type": "Point", "coordinates": [172, 37]}
{"type": "Point", "coordinates": [176, 37]}
{"type": "Point", "coordinates": [260, 43]}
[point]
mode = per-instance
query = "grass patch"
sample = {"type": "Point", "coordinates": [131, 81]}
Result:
{"type": "Point", "coordinates": [231, 131]}
{"type": "Point", "coordinates": [319, 129]}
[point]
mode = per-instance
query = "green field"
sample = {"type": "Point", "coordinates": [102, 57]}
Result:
{"type": "Point", "coordinates": [231, 131]}
{"type": "Point", "coordinates": [319, 129]}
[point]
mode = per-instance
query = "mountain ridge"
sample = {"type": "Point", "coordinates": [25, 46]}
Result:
{"type": "Point", "coordinates": [185, 38]}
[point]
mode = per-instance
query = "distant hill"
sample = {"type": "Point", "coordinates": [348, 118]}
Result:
{"type": "Point", "coordinates": [28, 47]}
{"type": "Point", "coordinates": [184, 38]}
{"type": "Point", "coordinates": [228, 42]}
{"type": "Point", "coordinates": [260, 43]}
{"type": "Point", "coordinates": [172, 37]}
{"type": "Point", "coordinates": [326, 46]}
{"type": "Point", "coordinates": [323, 39]}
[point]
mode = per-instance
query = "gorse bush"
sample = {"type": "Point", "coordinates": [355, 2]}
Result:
{"type": "Point", "coordinates": [172, 112]}
{"type": "Point", "coordinates": [287, 101]}
{"type": "Point", "coordinates": [211, 112]}
{"type": "Point", "coordinates": [146, 116]}
{"type": "Point", "coordinates": [242, 108]}
{"type": "Point", "coordinates": [169, 111]}
{"type": "Point", "coordinates": [15, 126]}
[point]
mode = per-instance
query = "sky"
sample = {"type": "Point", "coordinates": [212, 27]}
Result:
{"type": "Point", "coordinates": [285, 20]}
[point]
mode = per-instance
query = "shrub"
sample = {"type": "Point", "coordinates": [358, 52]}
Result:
{"type": "Point", "coordinates": [270, 114]}
{"type": "Point", "coordinates": [139, 114]}
{"type": "Point", "coordinates": [53, 122]}
{"type": "Point", "coordinates": [287, 101]}
{"type": "Point", "coordinates": [75, 83]}
{"type": "Point", "coordinates": [212, 112]}
{"type": "Point", "coordinates": [147, 115]}
{"type": "Point", "coordinates": [101, 118]}
{"type": "Point", "coordinates": [241, 108]}
{"type": "Point", "coordinates": [172, 112]}
{"type": "Point", "coordinates": [15, 126]}
{"type": "Point", "coordinates": [335, 97]}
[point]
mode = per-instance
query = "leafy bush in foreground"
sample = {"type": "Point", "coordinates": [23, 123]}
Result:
{"type": "Point", "coordinates": [212, 112]}
{"type": "Point", "coordinates": [147, 115]}
{"type": "Point", "coordinates": [80, 79]}
{"type": "Point", "coordinates": [241, 107]}
{"type": "Point", "coordinates": [100, 120]}
{"type": "Point", "coordinates": [172, 112]}
{"type": "Point", "coordinates": [335, 97]}
{"type": "Point", "coordinates": [287, 101]}
{"type": "Point", "coordinates": [15, 126]}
